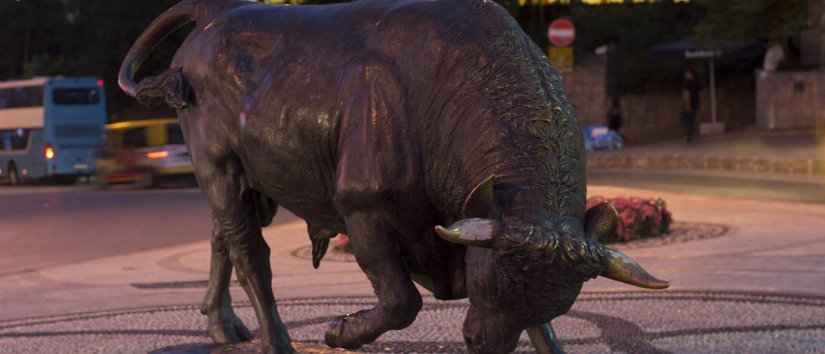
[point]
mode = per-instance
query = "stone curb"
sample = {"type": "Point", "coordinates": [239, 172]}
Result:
{"type": "Point", "coordinates": [745, 165]}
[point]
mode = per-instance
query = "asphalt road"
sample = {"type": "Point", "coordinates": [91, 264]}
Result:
{"type": "Point", "coordinates": [44, 226]}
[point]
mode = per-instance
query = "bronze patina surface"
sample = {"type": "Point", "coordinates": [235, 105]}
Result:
{"type": "Point", "coordinates": [254, 347]}
{"type": "Point", "coordinates": [249, 347]}
{"type": "Point", "coordinates": [386, 119]}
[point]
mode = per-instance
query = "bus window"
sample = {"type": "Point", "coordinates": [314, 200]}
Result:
{"type": "Point", "coordinates": [76, 96]}
{"type": "Point", "coordinates": [5, 140]}
{"type": "Point", "coordinates": [14, 139]}
{"type": "Point", "coordinates": [5, 98]}
{"type": "Point", "coordinates": [21, 97]}
{"type": "Point", "coordinates": [134, 138]}
{"type": "Point", "coordinates": [20, 139]}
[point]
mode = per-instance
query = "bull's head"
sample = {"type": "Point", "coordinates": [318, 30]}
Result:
{"type": "Point", "coordinates": [573, 241]}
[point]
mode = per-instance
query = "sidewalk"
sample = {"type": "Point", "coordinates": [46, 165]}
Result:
{"type": "Point", "coordinates": [793, 155]}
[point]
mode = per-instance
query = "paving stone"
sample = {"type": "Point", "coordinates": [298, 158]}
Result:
{"type": "Point", "coordinates": [600, 322]}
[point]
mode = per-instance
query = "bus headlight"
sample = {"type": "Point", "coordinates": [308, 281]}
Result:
{"type": "Point", "coordinates": [48, 151]}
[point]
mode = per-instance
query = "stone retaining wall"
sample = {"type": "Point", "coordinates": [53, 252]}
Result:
{"type": "Point", "coordinates": [791, 100]}
{"type": "Point", "coordinates": [654, 115]}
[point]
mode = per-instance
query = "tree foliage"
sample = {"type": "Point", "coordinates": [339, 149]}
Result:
{"type": "Point", "coordinates": [633, 30]}
{"type": "Point", "coordinates": [28, 29]}
{"type": "Point", "coordinates": [91, 37]}
{"type": "Point", "coordinates": [748, 20]}
{"type": "Point", "coordinates": [76, 38]}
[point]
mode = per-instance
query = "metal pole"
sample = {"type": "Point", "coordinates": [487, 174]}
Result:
{"type": "Point", "coordinates": [713, 88]}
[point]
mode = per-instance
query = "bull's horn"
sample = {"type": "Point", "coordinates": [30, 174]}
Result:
{"type": "Point", "coordinates": [470, 232]}
{"type": "Point", "coordinates": [624, 269]}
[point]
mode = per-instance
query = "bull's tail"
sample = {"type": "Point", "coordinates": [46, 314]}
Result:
{"type": "Point", "coordinates": [171, 20]}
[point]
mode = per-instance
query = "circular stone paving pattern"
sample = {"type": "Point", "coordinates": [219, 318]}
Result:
{"type": "Point", "coordinates": [601, 322]}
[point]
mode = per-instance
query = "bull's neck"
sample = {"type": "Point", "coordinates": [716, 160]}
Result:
{"type": "Point", "coordinates": [545, 176]}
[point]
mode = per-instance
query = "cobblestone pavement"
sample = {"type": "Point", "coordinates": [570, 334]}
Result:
{"type": "Point", "coordinates": [601, 322]}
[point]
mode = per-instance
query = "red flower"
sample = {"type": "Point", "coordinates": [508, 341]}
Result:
{"type": "Point", "coordinates": [638, 218]}
{"type": "Point", "coordinates": [341, 240]}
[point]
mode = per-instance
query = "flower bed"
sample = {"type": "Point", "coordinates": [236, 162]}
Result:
{"type": "Point", "coordinates": [638, 218]}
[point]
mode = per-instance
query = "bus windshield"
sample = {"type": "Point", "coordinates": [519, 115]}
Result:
{"type": "Point", "coordinates": [76, 96]}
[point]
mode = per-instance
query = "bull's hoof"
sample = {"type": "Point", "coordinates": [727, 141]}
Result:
{"type": "Point", "coordinates": [351, 331]}
{"type": "Point", "coordinates": [230, 330]}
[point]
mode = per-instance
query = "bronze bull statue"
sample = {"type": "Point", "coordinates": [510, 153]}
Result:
{"type": "Point", "coordinates": [385, 119]}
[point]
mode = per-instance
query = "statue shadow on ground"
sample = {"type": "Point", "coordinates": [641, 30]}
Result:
{"type": "Point", "coordinates": [192, 348]}
{"type": "Point", "coordinates": [252, 347]}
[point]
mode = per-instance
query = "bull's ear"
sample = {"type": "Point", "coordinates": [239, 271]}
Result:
{"type": "Point", "coordinates": [470, 232]}
{"type": "Point", "coordinates": [601, 221]}
{"type": "Point", "coordinates": [481, 203]}
{"type": "Point", "coordinates": [479, 209]}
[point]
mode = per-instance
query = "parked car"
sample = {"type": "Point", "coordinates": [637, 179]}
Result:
{"type": "Point", "coordinates": [600, 138]}
{"type": "Point", "coordinates": [142, 153]}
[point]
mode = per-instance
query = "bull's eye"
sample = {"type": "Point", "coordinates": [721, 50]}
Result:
{"type": "Point", "coordinates": [505, 193]}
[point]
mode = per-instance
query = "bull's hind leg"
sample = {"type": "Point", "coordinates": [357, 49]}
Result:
{"type": "Point", "coordinates": [236, 221]}
{"type": "Point", "coordinates": [377, 252]}
{"type": "Point", "coordinates": [224, 326]}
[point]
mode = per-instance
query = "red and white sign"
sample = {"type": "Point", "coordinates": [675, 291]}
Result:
{"type": "Point", "coordinates": [562, 33]}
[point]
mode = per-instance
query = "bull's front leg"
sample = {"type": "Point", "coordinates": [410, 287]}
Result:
{"type": "Point", "coordinates": [238, 227]}
{"type": "Point", "coordinates": [376, 249]}
{"type": "Point", "coordinates": [224, 326]}
{"type": "Point", "coordinates": [488, 328]}
{"type": "Point", "coordinates": [489, 331]}
{"type": "Point", "coordinates": [375, 166]}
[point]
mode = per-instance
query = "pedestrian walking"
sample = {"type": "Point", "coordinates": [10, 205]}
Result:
{"type": "Point", "coordinates": [690, 103]}
{"type": "Point", "coordinates": [614, 115]}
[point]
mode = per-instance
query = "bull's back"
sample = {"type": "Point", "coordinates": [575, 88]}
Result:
{"type": "Point", "coordinates": [272, 75]}
{"type": "Point", "coordinates": [265, 78]}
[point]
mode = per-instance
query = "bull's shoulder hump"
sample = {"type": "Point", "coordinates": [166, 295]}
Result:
{"type": "Point", "coordinates": [442, 15]}
{"type": "Point", "coordinates": [257, 17]}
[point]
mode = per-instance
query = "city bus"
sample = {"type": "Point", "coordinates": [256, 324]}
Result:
{"type": "Point", "coordinates": [50, 128]}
